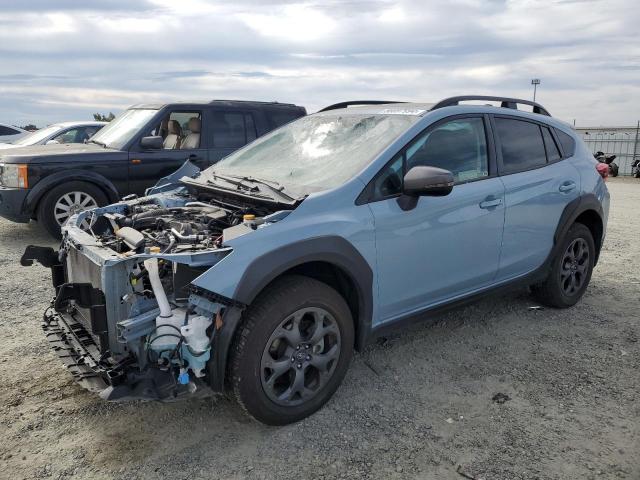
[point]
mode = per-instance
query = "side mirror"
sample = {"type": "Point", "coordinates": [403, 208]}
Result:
{"type": "Point", "coordinates": [432, 181]}
{"type": "Point", "coordinates": [152, 143]}
{"type": "Point", "coordinates": [51, 142]}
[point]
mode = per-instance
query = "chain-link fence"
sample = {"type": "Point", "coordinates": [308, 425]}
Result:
{"type": "Point", "coordinates": [623, 142]}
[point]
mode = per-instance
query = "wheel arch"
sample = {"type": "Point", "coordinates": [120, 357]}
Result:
{"type": "Point", "coordinates": [332, 260]}
{"type": "Point", "coordinates": [592, 220]}
{"type": "Point", "coordinates": [587, 210]}
{"type": "Point", "coordinates": [45, 185]}
{"type": "Point", "coordinates": [337, 278]}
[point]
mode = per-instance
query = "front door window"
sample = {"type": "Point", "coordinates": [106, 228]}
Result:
{"type": "Point", "coordinates": [180, 130]}
{"type": "Point", "coordinates": [459, 146]}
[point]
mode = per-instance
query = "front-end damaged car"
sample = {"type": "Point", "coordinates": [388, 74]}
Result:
{"type": "Point", "coordinates": [148, 300]}
{"type": "Point", "coordinates": [261, 274]}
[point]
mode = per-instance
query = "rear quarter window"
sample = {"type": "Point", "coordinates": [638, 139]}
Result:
{"type": "Point", "coordinates": [567, 142]}
{"type": "Point", "coordinates": [553, 154]}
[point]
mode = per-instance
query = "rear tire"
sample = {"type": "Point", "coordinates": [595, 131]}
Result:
{"type": "Point", "coordinates": [570, 270]}
{"type": "Point", "coordinates": [292, 350]}
{"type": "Point", "coordinates": [75, 196]}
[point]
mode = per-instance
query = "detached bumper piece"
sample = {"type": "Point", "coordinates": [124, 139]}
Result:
{"type": "Point", "coordinates": [48, 258]}
{"type": "Point", "coordinates": [122, 381]}
{"type": "Point", "coordinates": [77, 350]}
{"type": "Point", "coordinates": [76, 327]}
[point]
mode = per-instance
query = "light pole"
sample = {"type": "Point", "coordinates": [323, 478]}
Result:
{"type": "Point", "coordinates": [535, 82]}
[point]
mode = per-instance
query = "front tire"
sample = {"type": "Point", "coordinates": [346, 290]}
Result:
{"type": "Point", "coordinates": [292, 350]}
{"type": "Point", "coordinates": [570, 270]}
{"type": "Point", "coordinates": [62, 201]}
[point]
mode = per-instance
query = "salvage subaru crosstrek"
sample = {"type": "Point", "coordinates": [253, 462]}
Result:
{"type": "Point", "coordinates": [261, 274]}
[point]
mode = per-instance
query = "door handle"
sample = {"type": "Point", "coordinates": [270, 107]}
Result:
{"type": "Point", "coordinates": [567, 186]}
{"type": "Point", "coordinates": [490, 202]}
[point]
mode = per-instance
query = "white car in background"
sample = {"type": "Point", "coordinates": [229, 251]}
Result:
{"type": "Point", "coordinates": [9, 133]}
{"type": "Point", "coordinates": [66, 132]}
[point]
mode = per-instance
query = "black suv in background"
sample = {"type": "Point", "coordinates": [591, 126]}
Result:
{"type": "Point", "coordinates": [143, 144]}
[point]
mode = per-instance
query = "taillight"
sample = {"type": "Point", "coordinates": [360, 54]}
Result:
{"type": "Point", "coordinates": [603, 170]}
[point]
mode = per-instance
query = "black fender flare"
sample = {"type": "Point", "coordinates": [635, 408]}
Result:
{"type": "Point", "coordinates": [330, 249]}
{"type": "Point", "coordinates": [571, 212]}
{"type": "Point", "coordinates": [263, 270]}
{"type": "Point", "coordinates": [58, 178]}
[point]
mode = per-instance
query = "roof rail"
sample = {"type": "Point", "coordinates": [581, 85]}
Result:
{"type": "Point", "coordinates": [336, 106]}
{"type": "Point", "coordinates": [257, 102]}
{"type": "Point", "coordinates": [505, 102]}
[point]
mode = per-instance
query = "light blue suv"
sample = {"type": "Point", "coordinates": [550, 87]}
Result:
{"type": "Point", "coordinates": [261, 274]}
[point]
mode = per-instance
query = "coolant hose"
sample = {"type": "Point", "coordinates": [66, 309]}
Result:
{"type": "Point", "coordinates": [151, 264]}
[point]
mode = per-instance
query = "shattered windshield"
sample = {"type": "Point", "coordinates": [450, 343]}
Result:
{"type": "Point", "coordinates": [316, 152]}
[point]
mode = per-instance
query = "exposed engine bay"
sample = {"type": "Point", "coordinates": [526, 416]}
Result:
{"type": "Point", "coordinates": [152, 228]}
{"type": "Point", "coordinates": [128, 317]}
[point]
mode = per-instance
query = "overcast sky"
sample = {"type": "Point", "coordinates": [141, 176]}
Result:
{"type": "Point", "coordinates": [62, 60]}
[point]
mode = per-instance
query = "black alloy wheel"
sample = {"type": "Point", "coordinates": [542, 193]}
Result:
{"type": "Point", "coordinates": [574, 266]}
{"type": "Point", "coordinates": [570, 270]}
{"type": "Point", "coordinates": [300, 356]}
{"type": "Point", "coordinates": [292, 350]}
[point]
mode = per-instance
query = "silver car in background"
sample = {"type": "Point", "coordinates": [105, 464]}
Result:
{"type": "Point", "coordinates": [11, 133]}
{"type": "Point", "coordinates": [57, 133]}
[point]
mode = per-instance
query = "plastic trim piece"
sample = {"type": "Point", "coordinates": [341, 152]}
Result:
{"type": "Point", "coordinates": [329, 249]}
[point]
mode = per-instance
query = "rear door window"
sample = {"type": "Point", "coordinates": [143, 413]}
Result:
{"type": "Point", "coordinates": [521, 145]}
{"type": "Point", "coordinates": [233, 129]}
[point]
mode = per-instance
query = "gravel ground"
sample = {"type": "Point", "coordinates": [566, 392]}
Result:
{"type": "Point", "coordinates": [492, 391]}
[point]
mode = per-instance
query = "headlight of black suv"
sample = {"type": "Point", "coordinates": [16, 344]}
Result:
{"type": "Point", "coordinates": [14, 175]}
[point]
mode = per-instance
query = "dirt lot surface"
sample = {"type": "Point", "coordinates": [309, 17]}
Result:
{"type": "Point", "coordinates": [495, 390]}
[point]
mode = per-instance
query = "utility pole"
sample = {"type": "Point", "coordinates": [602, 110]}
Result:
{"type": "Point", "coordinates": [635, 144]}
{"type": "Point", "coordinates": [535, 82]}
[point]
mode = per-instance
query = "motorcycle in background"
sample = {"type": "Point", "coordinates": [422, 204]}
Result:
{"type": "Point", "coordinates": [635, 168]}
{"type": "Point", "coordinates": [608, 160]}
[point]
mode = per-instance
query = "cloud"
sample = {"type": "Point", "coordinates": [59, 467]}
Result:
{"type": "Point", "coordinates": [74, 5]}
{"type": "Point", "coordinates": [67, 59]}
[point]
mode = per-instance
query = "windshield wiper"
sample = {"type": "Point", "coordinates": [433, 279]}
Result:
{"type": "Point", "coordinates": [232, 181]}
{"type": "Point", "coordinates": [242, 186]}
{"type": "Point", "coordinates": [102, 144]}
{"type": "Point", "coordinates": [278, 190]}
{"type": "Point", "coordinates": [239, 187]}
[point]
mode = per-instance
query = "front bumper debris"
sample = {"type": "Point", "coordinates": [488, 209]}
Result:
{"type": "Point", "coordinates": [96, 371]}
{"type": "Point", "coordinates": [12, 201]}
{"type": "Point", "coordinates": [109, 358]}
{"type": "Point", "coordinates": [78, 351]}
